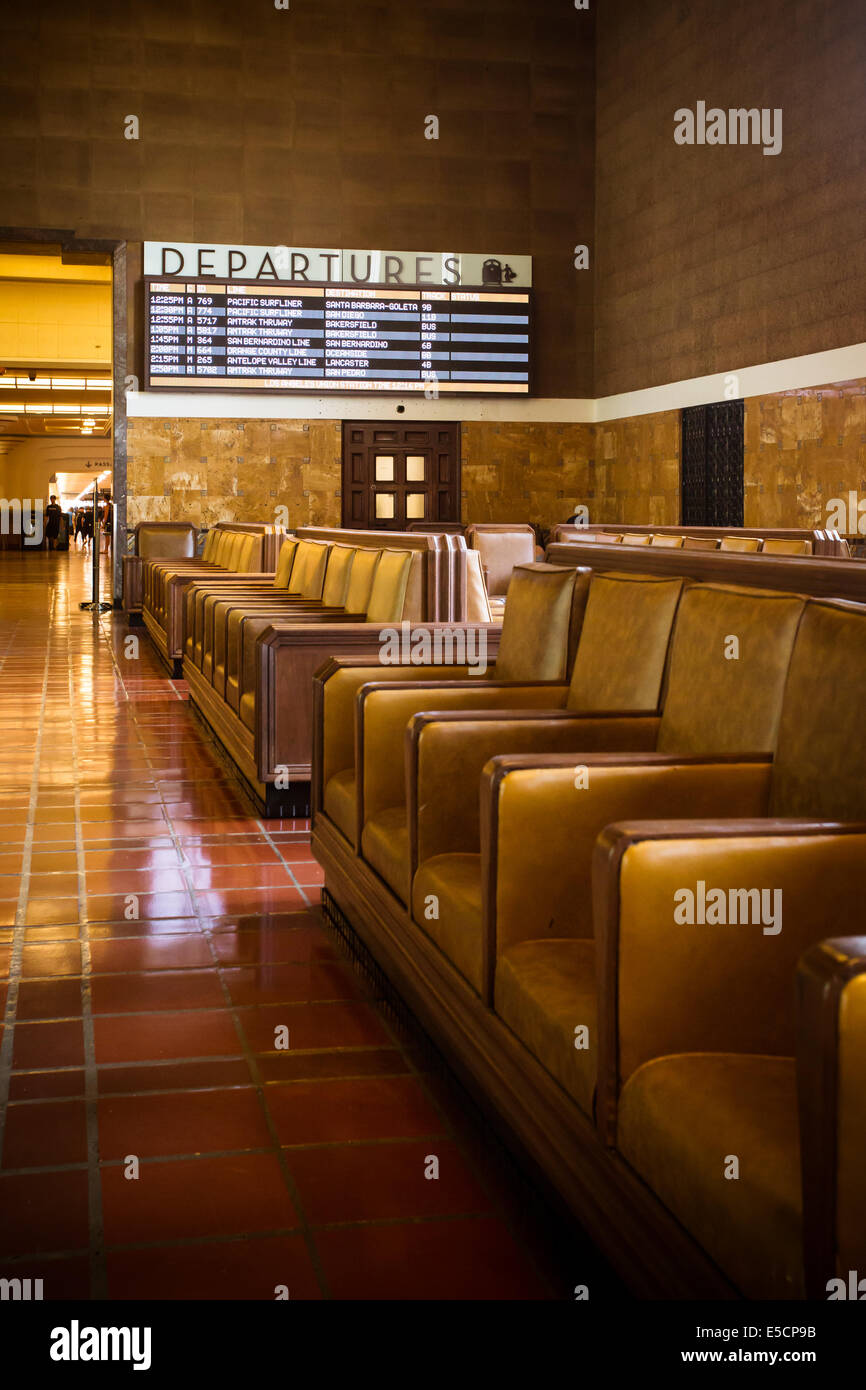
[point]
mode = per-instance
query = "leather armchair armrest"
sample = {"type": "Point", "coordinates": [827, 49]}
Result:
{"type": "Point", "coordinates": [335, 685]}
{"type": "Point", "coordinates": [831, 1082]}
{"type": "Point", "coordinates": [383, 709]}
{"type": "Point", "coordinates": [541, 816]}
{"type": "Point", "coordinates": [445, 754]}
{"type": "Point", "coordinates": [345, 640]}
{"type": "Point", "coordinates": [200, 597]}
{"type": "Point", "coordinates": [286, 655]}
{"type": "Point", "coordinates": [670, 985]}
{"type": "Point", "coordinates": [133, 583]}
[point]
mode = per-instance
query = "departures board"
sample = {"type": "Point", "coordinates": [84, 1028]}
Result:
{"type": "Point", "coordinates": [201, 334]}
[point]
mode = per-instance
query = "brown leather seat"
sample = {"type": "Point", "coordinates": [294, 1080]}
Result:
{"type": "Point", "coordinates": [714, 1071]}
{"type": "Point", "coordinates": [167, 540]}
{"type": "Point", "coordinates": [740, 544]}
{"type": "Point", "coordinates": [774, 546]}
{"type": "Point", "coordinates": [538, 638]}
{"type": "Point", "coordinates": [625, 674]}
{"type": "Point", "coordinates": [502, 546]}
{"type": "Point", "coordinates": [712, 706]}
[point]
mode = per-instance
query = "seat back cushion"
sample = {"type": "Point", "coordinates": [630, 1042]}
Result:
{"type": "Point", "coordinates": [361, 579]}
{"type": "Point", "coordinates": [623, 647]}
{"type": "Point", "coordinates": [236, 550]}
{"type": "Point", "coordinates": [821, 754]}
{"type": "Point", "coordinates": [729, 660]}
{"type": "Point", "coordinates": [389, 587]}
{"type": "Point", "coordinates": [254, 557]}
{"type": "Point", "coordinates": [166, 542]}
{"type": "Point", "coordinates": [786, 547]}
{"type": "Point", "coordinates": [740, 544]}
{"type": "Point", "coordinates": [543, 609]}
{"type": "Point", "coordinates": [245, 552]}
{"type": "Point", "coordinates": [700, 543]}
{"type": "Point", "coordinates": [225, 549]}
{"type": "Point", "coordinates": [635, 538]}
{"type": "Point", "coordinates": [668, 542]}
{"type": "Point", "coordinates": [308, 572]}
{"type": "Point", "coordinates": [337, 575]}
{"type": "Point", "coordinates": [210, 543]}
{"type": "Point", "coordinates": [500, 551]}
{"type": "Point", "coordinates": [285, 561]}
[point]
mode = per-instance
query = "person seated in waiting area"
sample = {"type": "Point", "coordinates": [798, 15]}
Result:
{"type": "Point", "coordinates": [53, 516]}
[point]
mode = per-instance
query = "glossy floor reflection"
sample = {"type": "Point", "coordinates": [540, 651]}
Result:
{"type": "Point", "coordinates": [158, 943]}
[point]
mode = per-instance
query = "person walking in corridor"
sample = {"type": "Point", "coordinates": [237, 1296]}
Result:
{"type": "Point", "coordinates": [53, 517]}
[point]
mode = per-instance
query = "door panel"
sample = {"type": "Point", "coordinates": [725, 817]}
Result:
{"type": "Point", "coordinates": [396, 474]}
{"type": "Point", "coordinates": [711, 465]}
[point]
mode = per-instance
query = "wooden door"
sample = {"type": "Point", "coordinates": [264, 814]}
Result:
{"type": "Point", "coordinates": [394, 474]}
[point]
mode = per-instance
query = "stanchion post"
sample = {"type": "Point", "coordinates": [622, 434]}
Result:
{"type": "Point", "coordinates": [94, 606]}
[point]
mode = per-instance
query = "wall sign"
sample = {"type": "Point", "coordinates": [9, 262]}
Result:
{"type": "Point", "coordinates": [241, 335]}
{"type": "Point", "coordinates": [316, 265]}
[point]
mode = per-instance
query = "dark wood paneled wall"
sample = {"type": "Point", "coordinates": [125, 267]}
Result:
{"type": "Point", "coordinates": [306, 126]}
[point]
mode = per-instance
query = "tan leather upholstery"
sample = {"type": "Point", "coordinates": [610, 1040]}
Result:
{"type": "Point", "coordinates": [729, 661]}
{"type": "Point", "coordinates": [361, 578]}
{"type": "Point", "coordinates": [545, 991]}
{"type": "Point", "coordinates": [786, 547]}
{"type": "Point", "coordinates": [667, 542]}
{"type": "Point", "coordinates": [340, 801]}
{"type": "Point", "coordinates": [501, 548]}
{"type": "Point", "coordinates": [564, 825]}
{"type": "Point", "coordinates": [543, 608]}
{"type": "Point", "coordinates": [308, 571]}
{"type": "Point", "coordinates": [634, 538]}
{"type": "Point", "coordinates": [452, 882]}
{"type": "Point", "coordinates": [477, 602]}
{"type": "Point", "coordinates": [284, 563]}
{"type": "Point", "coordinates": [740, 544]}
{"type": "Point", "coordinates": [165, 540]}
{"type": "Point", "coordinates": [390, 582]}
{"type": "Point", "coordinates": [338, 575]}
{"type": "Point", "coordinates": [698, 1028]}
{"type": "Point", "coordinates": [679, 1119]}
{"type": "Point", "coordinates": [553, 606]}
{"type": "Point", "coordinates": [850, 1214]}
{"type": "Point", "coordinates": [623, 647]}
{"type": "Point", "coordinates": [818, 768]}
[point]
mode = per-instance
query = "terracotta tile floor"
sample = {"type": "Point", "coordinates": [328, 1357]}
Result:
{"type": "Point", "coordinates": [156, 937]}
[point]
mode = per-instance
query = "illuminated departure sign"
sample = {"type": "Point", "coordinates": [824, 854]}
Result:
{"type": "Point", "coordinates": [299, 337]}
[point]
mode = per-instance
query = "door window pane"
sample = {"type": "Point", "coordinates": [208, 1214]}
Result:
{"type": "Point", "coordinates": [415, 506]}
{"type": "Point", "coordinates": [415, 468]}
{"type": "Point", "coordinates": [385, 506]}
{"type": "Point", "coordinates": [384, 468]}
